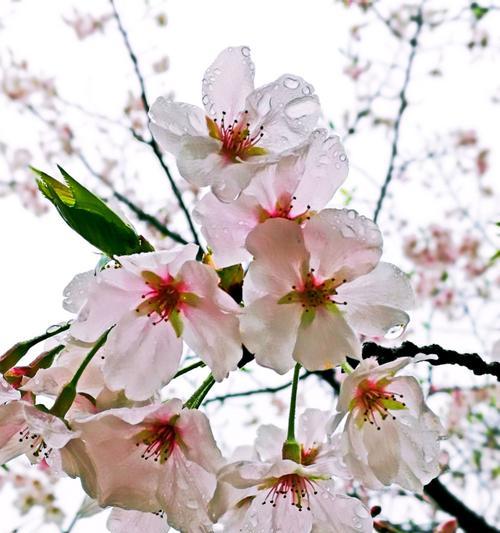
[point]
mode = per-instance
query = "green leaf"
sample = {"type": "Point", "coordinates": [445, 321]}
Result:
{"type": "Point", "coordinates": [90, 217]}
{"type": "Point", "coordinates": [478, 11]}
{"type": "Point", "coordinates": [231, 281]}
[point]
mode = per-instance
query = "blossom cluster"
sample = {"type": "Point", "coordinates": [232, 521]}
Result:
{"type": "Point", "coordinates": [311, 286]}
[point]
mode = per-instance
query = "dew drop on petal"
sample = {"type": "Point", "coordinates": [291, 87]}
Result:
{"type": "Point", "coordinates": [394, 331]}
{"type": "Point", "coordinates": [245, 51]}
{"type": "Point", "coordinates": [306, 90]}
{"type": "Point", "coordinates": [205, 99]}
{"type": "Point", "coordinates": [291, 83]}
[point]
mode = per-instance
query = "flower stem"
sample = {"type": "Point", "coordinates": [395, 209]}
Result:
{"type": "Point", "coordinates": [293, 404]}
{"type": "Point", "coordinates": [68, 393]}
{"type": "Point", "coordinates": [346, 367]}
{"type": "Point", "coordinates": [199, 394]}
{"type": "Point", "coordinates": [187, 369]}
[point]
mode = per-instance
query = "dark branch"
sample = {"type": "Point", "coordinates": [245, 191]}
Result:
{"type": "Point", "coordinates": [472, 361]}
{"type": "Point", "coordinates": [152, 143]}
{"type": "Point", "coordinates": [468, 520]}
{"type": "Point", "coordinates": [403, 103]}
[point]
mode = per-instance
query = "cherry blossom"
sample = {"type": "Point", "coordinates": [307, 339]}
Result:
{"type": "Point", "coordinates": [24, 429]}
{"type": "Point", "coordinates": [7, 392]}
{"type": "Point", "coordinates": [270, 493]}
{"type": "Point", "coordinates": [157, 299]}
{"type": "Point", "coordinates": [294, 188]}
{"type": "Point", "coordinates": [158, 458]}
{"type": "Point", "coordinates": [308, 292]}
{"type": "Point", "coordinates": [127, 521]}
{"type": "Point", "coordinates": [240, 130]}
{"type": "Point", "coordinates": [390, 435]}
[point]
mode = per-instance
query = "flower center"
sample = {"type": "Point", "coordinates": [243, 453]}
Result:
{"type": "Point", "coordinates": [160, 440]}
{"type": "Point", "coordinates": [296, 489]}
{"type": "Point", "coordinates": [314, 293]}
{"type": "Point", "coordinates": [37, 445]}
{"type": "Point", "coordinates": [283, 208]}
{"type": "Point", "coordinates": [373, 402]}
{"type": "Point", "coordinates": [163, 297]}
{"type": "Point", "coordinates": [237, 140]}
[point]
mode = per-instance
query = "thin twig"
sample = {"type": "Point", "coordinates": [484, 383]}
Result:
{"type": "Point", "coordinates": [403, 104]}
{"type": "Point", "coordinates": [152, 143]}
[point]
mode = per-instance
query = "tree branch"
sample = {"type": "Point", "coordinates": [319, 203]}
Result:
{"type": "Point", "coordinates": [403, 103]}
{"type": "Point", "coordinates": [468, 520]}
{"type": "Point", "coordinates": [472, 361]}
{"type": "Point", "coordinates": [151, 142]}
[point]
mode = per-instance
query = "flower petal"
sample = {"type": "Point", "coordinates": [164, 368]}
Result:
{"type": "Point", "coordinates": [269, 442]}
{"type": "Point", "coordinates": [172, 122]}
{"type": "Point", "coordinates": [226, 226]}
{"type": "Point", "coordinates": [227, 83]}
{"type": "Point", "coordinates": [142, 357]}
{"type": "Point", "coordinates": [326, 341]}
{"type": "Point", "coordinates": [287, 109]}
{"type": "Point", "coordinates": [199, 160]}
{"type": "Point", "coordinates": [269, 330]}
{"type": "Point", "coordinates": [280, 256]}
{"type": "Point", "coordinates": [130, 521]}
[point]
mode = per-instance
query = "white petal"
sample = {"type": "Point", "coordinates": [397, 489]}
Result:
{"type": "Point", "coordinates": [7, 392]}
{"type": "Point", "coordinates": [171, 122]}
{"type": "Point", "coordinates": [269, 442]}
{"type": "Point", "coordinates": [75, 293]}
{"type": "Point", "coordinates": [199, 443]}
{"type": "Point", "coordinates": [280, 256]}
{"type": "Point", "coordinates": [227, 83]}
{"type": "Point", "coordinates": [233, 178]}
{"type": "Point", "coordinates": [12, 421]}
{"type": "Point", "coordinates": [326, 341]}
{"type": "Point", "coordinates": [129, 521]}
{"type": "Point", "coordinates": [312, 427]}
{"type": "Point", "coordinates": [184, 492]}
{"type": "Point", "coordinates": [336, 513]}
{"type": "Point", "coordinates": [269, 330]}
{"type": "Point", "coordinates": [199, 160]}
{"type": "Point", "coordinates": [342, 244]}
{"type": "Point", "coordinates": [142, 357]}
{"type": "Point", "coordinates": [226, 226]}
{"type": "Point", "coordinates": [376, 320]}
{"type": "Point", "coordinates": [287, 109]}
{"type": "Point", "coordinates": [326, 168]}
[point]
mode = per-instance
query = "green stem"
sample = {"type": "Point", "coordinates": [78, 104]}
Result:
{"type": "Point", "coordinates": [293, 404]}
{"type": "Point", "coordinates": [68, 393]}
{"type": "Point", "coordinates": [187, 369]}
{"type": "Point", "coordinates": [346, 367]}
{"type": "Point", "coordinates": [199, 394]}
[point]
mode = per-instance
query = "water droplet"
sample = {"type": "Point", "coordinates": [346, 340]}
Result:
{"type": "Point", "coordinates": [395, 331]}
{"type": "Point", "coordinates": [205, 99]}
{"type": "Point", "coordinates": [245, 51]}
{"type": "Point", "coordinates": [347, 232]}
{"type": "Point", "coordinates": [291, 83]}
{"type": "Point", "coordinates": [301, 107]}
{"type": "Point", "coordinates": [342, 157]}
{"type": "Point", "coordinates": [351, 214]}
{"type": "Point", "coordinates": [306, 90]}
{"type": "Point", "coordinates": [211, 110]}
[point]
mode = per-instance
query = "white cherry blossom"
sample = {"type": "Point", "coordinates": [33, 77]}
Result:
{"type": "Point", "coordinates": [294, 188]}
{"type": "Point", "coordinates": [274, 494]}
{"type": "Point", "coordinates": [127, 521]}
{"type": "Point", "coordinates": [309, 292]}
{"type": "Point", "coordinates": [390, 435]}
{"type": "Point", "coordinates": [156, 300]}
{"type": "Point", "coordinates": [24, 429]}
{"type": "Point", "coordinates": [240, 130]}
{"type": "Point", "coordinates": [155, 459]}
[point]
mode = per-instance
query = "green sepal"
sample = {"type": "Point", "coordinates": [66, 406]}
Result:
{"type": "Point", "coordinates": [307, 317]}
{"type": "Point", "coordinates": [291, 450]}
{"type": "Point", "coordinates": [290, 298]}
{"type": "Point", "coordinates": [176, 321]}
{"type": "Point", "coordinates": [90, 217]}
{"type": "Point", "coordinates": [393, 405]}
{"type": "Point", "coordinates": [231, 281]}
{"type": "Point", "coordinates": [64, 401]}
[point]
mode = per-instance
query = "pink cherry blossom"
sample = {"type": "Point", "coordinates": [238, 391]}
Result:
{"type": "Point", "coordinates": [7, 392]}
{"type": "Point", "coordinates": [294, 188]}
{"type": "Point", "coordinates": [157, 458]}
{"type": "Point", "coordinates": [309, 292]}
{"type": "Point", "coordinates": [390, 435]}
{"type": "Point", "coordinates": [24, 429]}
{"type": "Point", "coordinates": [127, 521]}
{"type": "Point", "coordinates": [274, 494]}
{"type": "Point", "coordinates": [157, 300]}
{"type": "Point", "coordinates": [241, 130]}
